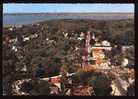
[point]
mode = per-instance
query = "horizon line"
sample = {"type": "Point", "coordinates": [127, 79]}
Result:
{"type": "Point", "coordinates": [63, 12]}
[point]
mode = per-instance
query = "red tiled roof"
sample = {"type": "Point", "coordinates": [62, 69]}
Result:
{"type": "Point", "coordinates": [132, 73]}
{"type": "Point", "coordinates": [55, 80]}
{"type": "Point", "coordinates": [89, 68]}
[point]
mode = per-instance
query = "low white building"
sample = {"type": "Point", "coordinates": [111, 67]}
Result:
{"type": "Point", "coordinates": [97, 44]}
{"type": "Point", "coordinates": [47, 39]}
{"type": "Point", "coordinates": [14, 48]}
{"type": "Point", "coordinates": [80, 38]}
{"type": "Point", "coordinates": [105, 43]}
{"type": "Point", "coordinates": [82, 34]}
{"type": "Point", "coordinates": [101, 48]}
{"type": "Point", "coordinates": [24, 69]}
{"type": "Point", "coordinates": [76, 48]}
{"type": "Point", "coordinates": [65, 34]}
{"type": "Point", "coordinates": [124, 48]}
{"type": "Point", "coordinates": [125, 62]}
{"type": "Point", "coordinates": [13, 40]}
{"type": "Point", "coordinates": [33, 36]}
{"type": "Point", "coordinates": [119, 87]}
{"type": "Point", "coordinates": [26, 39]}
{"type": "Point", "coordinates": [11, 29]}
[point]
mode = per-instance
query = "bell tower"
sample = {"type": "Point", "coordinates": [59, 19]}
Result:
{"type": "Point", "coordinates": [87, 49]}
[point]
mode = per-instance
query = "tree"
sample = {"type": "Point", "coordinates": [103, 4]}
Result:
{"type": "Point", "coordinates": [20, 39]}
{"type": "Point", "coordinates": [131, 90]}
{"type": "Point", "coordinates": [40, 72]}
{"type": "Point", "coordinates": [8, 70]}
{"type": "Point", "coordinates": [116, 56]}
{"type": "Point", "coordinates": [101, 84]}
{"type": "Point", "coordinates": [36, 87]}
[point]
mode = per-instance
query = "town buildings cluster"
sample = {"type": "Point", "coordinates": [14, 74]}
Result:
{"type": "Point", "coordinates": [93, 61]}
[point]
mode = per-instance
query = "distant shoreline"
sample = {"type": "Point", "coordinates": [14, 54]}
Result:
{"type": "Point", "coordinates": [45, 21]}
{"type": "Point", "coordinates": [31, 18]}
{"type": "Point", "coordinates": [70, 13]}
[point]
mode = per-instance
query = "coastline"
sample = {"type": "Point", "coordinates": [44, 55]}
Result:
{"type": "Point", "coordinates": [45, 21]}
{"type": "Point", "coordinates": [32, 18]}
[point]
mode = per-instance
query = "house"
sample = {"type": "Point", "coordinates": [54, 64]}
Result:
{"type": "Point", "coordinates": [89, 68]}
{"type": "Point", "coordinates": [99, 56]}
{"type": "Point", "coordinates": [14, 48]}
{"type": "Point", "coordinates": [18, 26]}
{"type": "Point", "coordinates": [54, 90]}
{"type": "Point", "coordinates": [32, 36]}
{"type": "Point", "coordinates": [7, 38]}
{"type": "Point", "coordinates": [101, 48]}
{"type": "Point", "coordinates": [76, 48]}
{"type": "Point", "coordinates": [11, 29]}
{"type": "Point", "coordinates": [105, 43]}
{"type": "Point", "coordinates": [26, 39]}
{"type": "Point", "coordinates": [119, 87]}
{"type": "Point", "coordinates": [68, 92]}
{"type": "Point", "coordinates": [14, 40]}
{"type": "Point", "coordinates": [97, 44]}
{"type": "Point", "coordinates": [82, 34]}
{"type": "Point", "coordinates": [56, 81]}
{"type": "Point", "coordinates": [81, 37]}
{"type": "Point", "coordinates": [65, 34]}
{"type": "Point", "coordinates": [124, 48]}
{"type": "Point", "coordinates": [125, 62]}
{"type": "Point", "coordinates": [24, 69]}
{"type": "Point", "coordinates": [47, 39]}
{"type": "Point", "coordinates": [16, 87]}
{"type": "Point", "coordinates": [98, 53]}
{"type": "Point", "coordinates": [132, 73]}
{"type": "Point", "coordinates": [130, 80]}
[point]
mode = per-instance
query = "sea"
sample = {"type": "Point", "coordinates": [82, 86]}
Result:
{"type": "Point", "coordinates": [23, 19]}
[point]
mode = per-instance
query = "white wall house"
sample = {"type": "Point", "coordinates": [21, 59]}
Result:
{"type": "Point", "coordinates": [26, 39]}
{"type": "Point", "coordinates": [125, 62]}
{"type": "Point", "coordinates": [105, 43]}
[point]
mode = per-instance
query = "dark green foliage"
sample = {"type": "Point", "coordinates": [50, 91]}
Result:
{"type": "Point", "coordinates": [131, 90]}
{"type": "Point", "coordinates": [115, 56]}
{"type": "Point", "coordinates": [36, 87]}
{"type": "Point", "coordinates": [40, 72]}
{"type": "Point", "coordinates": [101, 84]}
{"type": "Point", "coordinates": [8, 70]}
{"type": "Point", "coordinates": [26, 87]}
{"type": "Point", "coordinates": [126, 38]}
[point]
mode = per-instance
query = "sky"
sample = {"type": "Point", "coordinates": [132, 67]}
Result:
{"type": "Point", "coordinates": [61, 8]}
